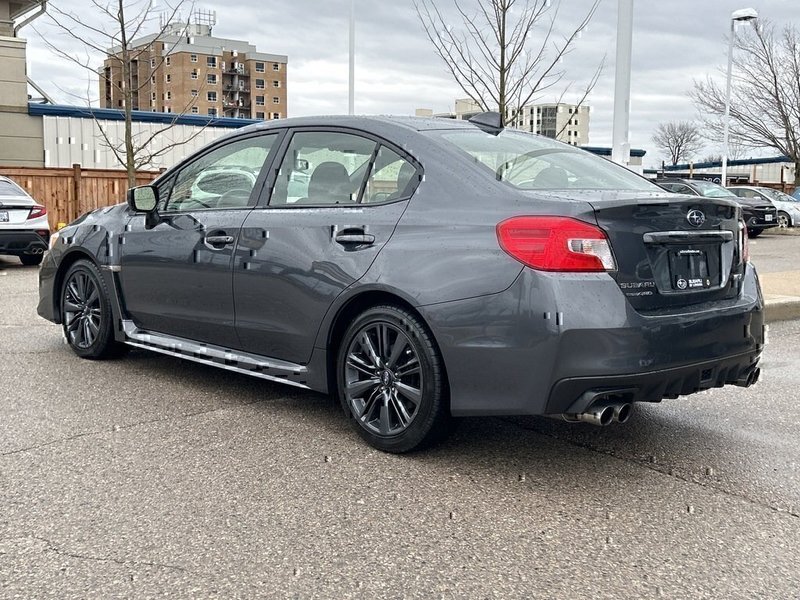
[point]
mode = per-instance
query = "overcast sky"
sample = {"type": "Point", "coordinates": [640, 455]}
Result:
{"type": "Point", "coordinates": [397, 71]}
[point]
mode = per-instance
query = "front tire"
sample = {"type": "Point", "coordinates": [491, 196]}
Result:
{"type": "Point", "coordinates": [391, 382]}
{"type": "Point", "coordinates": [783, 220]}
{"type": "Point", "coordinates": [754, 233]}
{"type": "Point", "coordinates": [87, 319]}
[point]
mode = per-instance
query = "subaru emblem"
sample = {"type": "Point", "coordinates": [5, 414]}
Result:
{"type": "Point", "coordinates": [696, 218]}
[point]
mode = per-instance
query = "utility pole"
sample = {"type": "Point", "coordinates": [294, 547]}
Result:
{"type": "Point", "coordinates": [621, 147]}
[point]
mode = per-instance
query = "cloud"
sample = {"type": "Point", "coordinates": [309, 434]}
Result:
{"type": "Point", "coordinates": [397, 71]}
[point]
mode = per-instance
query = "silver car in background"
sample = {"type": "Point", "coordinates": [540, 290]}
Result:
{"type": "Point", "coordinates": [24, 230]}
{"type": "Point", "coordinates": [788, 206]}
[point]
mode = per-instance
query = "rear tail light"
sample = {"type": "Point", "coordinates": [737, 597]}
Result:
{"type": "Point", "coordinates": [37, 211]}
{"type": "Point", "coordinates": [744, 242]}
{"type": "Point", "coordinates": [556, 244]}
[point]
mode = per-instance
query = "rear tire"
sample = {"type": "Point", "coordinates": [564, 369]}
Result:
{"type": "Point", "coordinates": [31, 260]}
{"type": "Point", "coordinates": [783, 220]}
{"type": "Point", "coordinates": [391, 381]}
{"type": "Point", "coordinates": [88, 321]}
{"type": "Point", "coordinates": [754, 233]}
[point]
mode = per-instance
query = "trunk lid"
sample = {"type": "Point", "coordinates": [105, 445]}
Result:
{"type": "Point", "coordinates": [14, 209]}
{"type": "Point", "coordinates": [672, 250]}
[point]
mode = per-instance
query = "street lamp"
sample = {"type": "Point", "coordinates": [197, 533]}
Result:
{"type": "Point", "coordinates": [738, 16]}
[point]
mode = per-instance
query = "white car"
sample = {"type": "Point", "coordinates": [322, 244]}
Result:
{"type": "Point", "coordinates": [788, 206]}
{"type": "Point", "coordinates": [24, 230]}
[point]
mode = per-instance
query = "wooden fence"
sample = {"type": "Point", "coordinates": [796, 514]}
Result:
{"type": "Point", "coordinates": [68, 193]}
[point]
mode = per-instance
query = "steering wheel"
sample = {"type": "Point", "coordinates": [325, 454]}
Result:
{"type": "Point", "coordinates": [236, 192]}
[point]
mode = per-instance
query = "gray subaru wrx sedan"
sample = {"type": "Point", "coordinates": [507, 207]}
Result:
{"type": "Point", "coordinates": [419, 269]}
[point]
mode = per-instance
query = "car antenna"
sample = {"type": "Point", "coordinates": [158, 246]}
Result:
{"type": "Point", "coordinates": [490, 122]}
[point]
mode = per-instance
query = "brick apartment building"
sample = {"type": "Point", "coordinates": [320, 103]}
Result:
{"type": "Point", "coordinates": [186, 70]}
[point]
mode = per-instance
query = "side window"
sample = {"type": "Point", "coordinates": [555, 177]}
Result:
{"type": "Point", "coordinates": [683, 189]}
{"type": "Point", "coordinates": [392, 177]}
{"type": "Point", "coordinates": [323, 167]}
{"type": "Point", "coordinates": [222, 178]}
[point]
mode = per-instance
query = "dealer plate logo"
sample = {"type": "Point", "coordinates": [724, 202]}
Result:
{"type": "Point", "coordinates": [696, 218]}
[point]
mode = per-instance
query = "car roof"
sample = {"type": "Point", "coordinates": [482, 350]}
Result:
{"type": "Point", "coordinates": [370, 123]}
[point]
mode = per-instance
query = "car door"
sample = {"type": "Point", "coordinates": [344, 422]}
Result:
{"type": "Point", "coordinates": [335, 200]}
{"type": "Point", "coordinates": [176, 276]}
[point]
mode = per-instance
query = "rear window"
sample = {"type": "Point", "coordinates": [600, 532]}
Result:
{"type": "Point", "coordinates": [532, 162]}
{"type": "Point", "coordinates": [709, 189]}
{"type": "Point", "coordinates": [8, 188]}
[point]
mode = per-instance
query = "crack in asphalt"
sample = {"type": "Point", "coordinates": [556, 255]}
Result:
{"type": "Point", "coordinates": [117, 428]}
{"type": "Point", "coordinates": [656, 468]}
{"type": "Point", "coordinates": [51, 547]}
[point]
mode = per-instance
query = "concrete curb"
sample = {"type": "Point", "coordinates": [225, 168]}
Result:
{"type": "Point", "coordinates": [781, 308]}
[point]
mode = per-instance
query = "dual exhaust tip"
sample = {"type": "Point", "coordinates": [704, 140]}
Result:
{"type": "Point", "coordinates": [603, 414]}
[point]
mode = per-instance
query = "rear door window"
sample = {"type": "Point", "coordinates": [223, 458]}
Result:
{"type": "Point", "coordinates": [323, 168]}
{"type": "Point", "coordinates": [392, 178]}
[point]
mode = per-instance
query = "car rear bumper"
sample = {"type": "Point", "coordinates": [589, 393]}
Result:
{"type": "Point", "coordinates": [22, 241]}
{"type": "Point", "coordinates": [546, 344]}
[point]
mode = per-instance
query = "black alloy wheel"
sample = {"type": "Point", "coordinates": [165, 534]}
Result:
{"type": "Point", "coordinates": [86, 313]}
{"type": "Point", "coordinates": [391, 380]}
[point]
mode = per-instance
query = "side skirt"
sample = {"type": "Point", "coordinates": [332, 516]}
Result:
{"type": "Point", "coordinates": [216, 356]}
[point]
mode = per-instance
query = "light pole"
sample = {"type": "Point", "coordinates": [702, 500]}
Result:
{"type": "Point", "coordinates": [351, 100]}
{"type": "Point", "coordinates": [620, 146]}
{"type": "Point", "coordinates": [738, 16]}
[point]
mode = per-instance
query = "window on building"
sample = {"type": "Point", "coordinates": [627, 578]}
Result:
{"type": "Point", "coordinates": [259, 100]}
{"type": "Point", "coordinates": [168, 109]}
{"type": "Point", "coordinates": [276, 66]}
{"type": "Point", "coordinates": [195, 110]}
{"type": "Point", "coordinates": [169, 78]}
{"type": "Point", "coordinates": [194, 74]}
{"type": "Point", "coordinates": [260, 67]}
{"type": "Point", "coordinates": [211, 96]}
{"type": "Point", "coordinates": [152, 95]}
{"type": "Point", "coordinates": [211, 62]}
{"type": "Point", "coordinates": [212, 112]}
{"type": "Point", "coordinates": [194, 93]}
{"type": "Point", "coordinates": [169, 60]}
{"type": "Point", "coordinates": [276, 115]}
{"type": "Point", "coordinates": [259, 115]}
{"type": "Point", "coordinates": [276, 84]}
{"type": "Point", "coordinates": [193, 57]}
{"type": "Point", "coordinates": [152, 63]}
{"type": "Point", "coordinates": [211, 78]}
{"type": "Point", "coordinates": [576, 121]}
{"type": "Point", "coordinates": [276, 100]}
{"type": "Point", "coordinates": [259, 84]}
{"type": "Point", "coordinates": [169, 95]}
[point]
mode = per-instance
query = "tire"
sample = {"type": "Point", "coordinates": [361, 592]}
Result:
{"type": "Point", "coordinates": [87, 320]}
{"type": "Point", "coordinates": [391, 381]}
{"type": "Point", "coordinates": [31, 260]}
{"type": "Point", "coordinates": [754, 233]}
{"type": "Point", "coordinates": [783, 220]}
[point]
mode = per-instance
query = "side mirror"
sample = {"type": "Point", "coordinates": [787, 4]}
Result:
{"type": "Point", "coordinates": [143, 198]}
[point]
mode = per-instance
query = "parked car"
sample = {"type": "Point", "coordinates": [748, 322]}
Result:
{"type": "Point", "coordinates": [758, 214]}
{"type": "Point", "coordinates": [24, 230]}
{"type": "Point", "coordinates": [788, 207]}
{"type": "Point", "coordinates": [432, 269]}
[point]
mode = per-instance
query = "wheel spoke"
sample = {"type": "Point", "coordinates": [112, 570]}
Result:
{"type": "Point", "coordinates": [385, 426]}
{"type": "Point", "coordinates": [356, 389]}
{"type": "Point", "coordinates": [93, 297]}
{"type": "Point", "coordinates": [410, 368]}
{"type": "Point", "coordinates": [383, 333]}
{"type": "Point", "coordinates": [369, 349]}
{"type": "Point", "coordinates": [93, 328]}
{"type": "Point", "coordinates": [400, 344]}
{"type": "Point", "coordinates": [72, 288]}
{"type": "Point", "coordinates": [359, 365]}
{"type": "Point", "coordinates": [400, 409]}
{"type": "Point", "coordinates": [369, 406]}
{"type": "Point", "coordinates": [413, 394]}
{"type": "Point", "coordinates": [73, 322]}
{"type": "Point", "coordinates": [78, 338]}
{"type": "Point", "coordinates": [87, 332]}
{"type": "Point", "coordinates": [71, 307]}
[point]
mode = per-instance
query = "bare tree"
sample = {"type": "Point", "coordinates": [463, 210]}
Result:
{"type": "Point", "coordinates": [111, 34]}
{"type": "Point", "coordinates": [678, 140]}
{"type": "Point", "coordinates": [765, 96]}
{"type": "Point", "coordinates": [507, 52]}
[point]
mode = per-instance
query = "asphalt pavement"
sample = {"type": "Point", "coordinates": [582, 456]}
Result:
{"type": "Point", "coordinates": [152, 477]}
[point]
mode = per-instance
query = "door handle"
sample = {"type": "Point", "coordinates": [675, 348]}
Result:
{"type": "Point", "coordinates": [218, 240]}
{"type": "Point", "coordinates": [351, 237]}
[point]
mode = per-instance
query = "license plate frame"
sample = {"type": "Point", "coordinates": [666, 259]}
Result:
{"type": "Point", "coordinates": [689, 269]}
{"type": "Point", "coordinates": [4, 218]}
